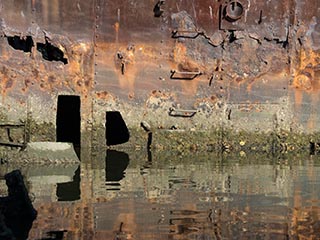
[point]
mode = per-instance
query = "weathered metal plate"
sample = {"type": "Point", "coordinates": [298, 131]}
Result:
{"type": "Point", "coordinates": [145, 58]}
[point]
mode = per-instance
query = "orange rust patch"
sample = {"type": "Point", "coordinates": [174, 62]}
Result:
{"type": "Point", "coordinates": [116, 27]}
{"type": "Point", "coordinates": [306, 76]}
{"type": "Point", "coordinates": [27, 82]}
{"type": "Point", "coordinates": [239, 80]}
{"type": "Point", "coordinates": [131, 95]}
{"type": "Point", "coordinates": [298, 96]}
{"type": "Point", "coordinates": [160, 94]}
{"type": "Point", "coordinates": [104, 95]}
{"type": "Point", "coordinates": [51, 79]}
{"type": "Point", "coordinates": [6, 81]}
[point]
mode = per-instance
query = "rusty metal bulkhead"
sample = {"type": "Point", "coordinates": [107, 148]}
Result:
{"type": "Point", "coordinates": [194, 66]}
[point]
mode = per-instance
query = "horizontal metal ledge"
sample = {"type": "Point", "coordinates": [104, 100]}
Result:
{"type": "Point", "coordinates": [12, 144]}
{"type": "Point", "coordinates": [184, 75]}
{"type": "Point", "coordinates": [181, 112]}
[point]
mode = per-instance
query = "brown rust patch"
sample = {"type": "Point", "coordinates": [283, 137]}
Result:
{"type": "Point", "coordinates": [306, 77]}
{"type": "Point", "coordinates": [51, 79]}
{"type": "Point", "coordinates": [131, 95]}
{"type": "Point", "coordinates": [104, 95]}
{"type": "Point", "coordinates": [183, 63]}
{"type": "Point", "coordinates": [35, 73]}
{"type": "Point", "coordinates": [161, 94]}
{"type": "Point", "coordinates": [7, 81]}
{"type": "Point", "coordinates": [87, 83]}
{"type": "Point", "coordinates": [27, 82]}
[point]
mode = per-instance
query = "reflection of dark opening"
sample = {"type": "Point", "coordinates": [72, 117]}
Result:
{"type": "Point", "coordinates": [116, 129]}
{"type": "Point", "coordinates": [51, 53]}
{"type": "Point", "coordinates": [68, 119]}
{"type": "Point", "coordinates": [312, 148]}
{"type": "Point", "coordinates": [70, 191]}
{"type": "Point", "coordinates": [57, 235]}
{"type": "Point", "coordinates": [24, 44]}
{"type": "Point", "coordinates": [17, 211]}
{"type": "Point", "coordinates": [116, 164]}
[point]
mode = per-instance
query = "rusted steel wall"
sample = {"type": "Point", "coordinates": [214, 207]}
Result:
{"type": "Point", "coordinates": [214, 66]}
{"type": "Point", "coordinates": [46, 50]}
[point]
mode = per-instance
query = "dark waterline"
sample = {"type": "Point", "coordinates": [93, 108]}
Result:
{"type": "Point", "coordinates": [119, 195]}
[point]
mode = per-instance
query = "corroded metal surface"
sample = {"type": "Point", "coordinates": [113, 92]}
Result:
{"type": "Point", "coordinates": [222, 66]}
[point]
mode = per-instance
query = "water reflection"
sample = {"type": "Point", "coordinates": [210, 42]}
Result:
{"type": "Point", "coordinates": [54, 235]}
{"type": "Point", "coordinates": [16, 211]}
{"type": "Point", "coordinates": [70, 191]}
{"type": "Point", "coordinates": [116, 164]}
{"type": "Point", "coordinates": [181, 196]}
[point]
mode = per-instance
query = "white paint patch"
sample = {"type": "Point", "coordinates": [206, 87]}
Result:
{"type": "Point", "coordinates": [50, 146]}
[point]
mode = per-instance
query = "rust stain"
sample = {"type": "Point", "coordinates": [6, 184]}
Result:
{"type": "Point", "coordinates": [116, 27]}
{"type": "Point", "coordinates": [7, 81]}
{"type": "Point", "coordinates": [298, 98]}
{"type": "Point", "coordinates": [305, 77]}
{"type": "Point", "coordinates": [163, 95]}
{"type": "Point", "coordinates": [312, 121]}
{"type": "Point", "coordinates": [269, 78]}
{"type": "Point", "coordinates": [183, 63]}
{"type": "Point", "coordinates": [104, 95]}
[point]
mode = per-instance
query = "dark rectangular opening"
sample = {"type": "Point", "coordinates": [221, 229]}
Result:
{"type": "Point", "coordinates": [116, 129]}
{"type": "Point", "coordinates": [68, 119]}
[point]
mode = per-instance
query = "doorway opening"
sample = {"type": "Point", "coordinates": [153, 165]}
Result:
{"type": "Point", "coordinates": [68, 119]}
{"type": "Point", "coordinates": [116, 129]}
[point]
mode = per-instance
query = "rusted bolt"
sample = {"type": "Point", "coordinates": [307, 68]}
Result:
{"type": "Point", "coordinates": [119, 55]}
{"type": "Point", "coordinates": [233, 11]}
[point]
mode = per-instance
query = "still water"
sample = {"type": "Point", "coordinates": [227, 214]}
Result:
{"type": "Point", "coordinates": [117, 195]}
